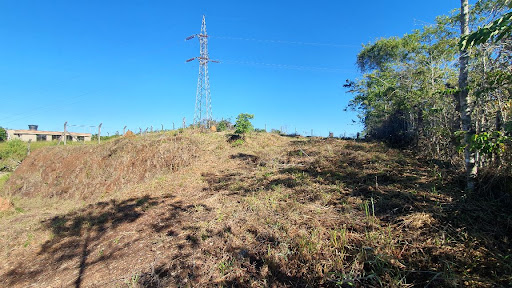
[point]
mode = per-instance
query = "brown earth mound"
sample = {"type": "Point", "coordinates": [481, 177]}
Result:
{"type": "Point", "coordinates": [129, 134]}
{"type": "Point", "coordinates": [83, 171]}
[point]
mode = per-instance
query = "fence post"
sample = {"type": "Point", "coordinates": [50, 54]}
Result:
{"type": "Point", "coordinates": [99, 133]}
{"type": "Point", "coordinates": [65, 124]}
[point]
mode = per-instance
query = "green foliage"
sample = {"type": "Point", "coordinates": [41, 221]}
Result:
{"type": "Point", "coordinates": [3, 134]}
{"type": "Point", "coordinates": [401, 79]}
{"type": "Point", "coordinates": [94, 137]}
{"type": "Point", "coordinates": [243, 124]}
{"type": "Point", "coordinates": [382, 53]}
{"type": "Point", "coordinates": [495, 31]}
{"type": "Point", "coordinates": [408, 93]}
{"type": "Point", "coordinates": [237, 142]}
{"type": "Point", "coordinates": [15, 149]}
{"type": "Point", "coordinates": [486, 143]}
{"type": "Point", "coordinates": [223, 125]}
{"type": "Point", "coordinates": [3, 179]}
{"type": "Point", "coordinates": [12, 153]}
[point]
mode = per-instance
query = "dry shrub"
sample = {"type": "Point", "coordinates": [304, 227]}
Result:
{"type": "Point", "coordinates": [88, 171]}
{"type": "Point", "coordinates": [418, 220]}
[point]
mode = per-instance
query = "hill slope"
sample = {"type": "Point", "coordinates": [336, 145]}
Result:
{"type": "Point", "coordinates": [192, 209]}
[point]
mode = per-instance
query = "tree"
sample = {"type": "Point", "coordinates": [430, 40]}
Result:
{"type": "Point", "coordinates": [465, 101]}
{"type": "Point", "coordinates": [243, 124]}
{"type": "Point", "coordinates": [408, 93]}
{"type": "Point", "coordinates": [3, 134]}
{"type": "Point", "coordinates": [495, 30]}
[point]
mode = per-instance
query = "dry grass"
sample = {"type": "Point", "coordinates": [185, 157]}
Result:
{"type": "Point", "coordinates": [273, 212]}
{"type": "Point", "coordinates": [91, 171]}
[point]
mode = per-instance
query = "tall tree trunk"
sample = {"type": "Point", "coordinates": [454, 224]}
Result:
{"type": "Point", "coordinates": [465, 109]}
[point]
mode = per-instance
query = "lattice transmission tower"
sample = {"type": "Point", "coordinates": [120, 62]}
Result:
{"type": "Point", "coordinates": [203, 110]}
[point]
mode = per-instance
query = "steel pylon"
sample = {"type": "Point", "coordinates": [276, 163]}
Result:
{"type": "Point", "coordinates": [203, 108]}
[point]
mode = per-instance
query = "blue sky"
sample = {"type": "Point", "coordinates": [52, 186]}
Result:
{"type": "Point", "coordinates": [123, 62]}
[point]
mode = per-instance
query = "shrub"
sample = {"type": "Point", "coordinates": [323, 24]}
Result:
{"type": "Point", "coordinates": [13, 153]}
{"type": "Point", "coordinates": [3, 134]}
{"type": "Point", "coordinates": [243, 125]}
{"type": "Point", "coordinates": [16, 149]}
{"type": "Point", "coordinates": [223, 125]}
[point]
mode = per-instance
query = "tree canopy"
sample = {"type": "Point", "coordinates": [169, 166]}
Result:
{"type": "Point", "coordinates": [408, 92]}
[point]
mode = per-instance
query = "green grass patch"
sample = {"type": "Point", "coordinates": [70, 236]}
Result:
{"type": "Point", "coordinates": [3, 179]}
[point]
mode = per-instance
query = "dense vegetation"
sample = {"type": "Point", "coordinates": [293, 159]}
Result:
{"type": "Point", "coordinates": [409, 93]}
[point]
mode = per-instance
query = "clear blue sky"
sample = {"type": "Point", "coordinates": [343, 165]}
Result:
{"type": "Point", "coordinates": [123, 62]}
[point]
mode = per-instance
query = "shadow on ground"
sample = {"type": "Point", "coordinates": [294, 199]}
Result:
{"type": "Point", "coordinates": [74, 233]}
{"type": "Point", "coordinates": [460, 238]}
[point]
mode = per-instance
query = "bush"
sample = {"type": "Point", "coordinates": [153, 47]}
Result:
{"type": "Point", "coordinates": [223, 125]}
{"type": "Point", "coordinates": [12, 154]}
{"type": "Point", "coordinates": [3, 134]}
{"type": "Point", "coordinates": [243, 125]}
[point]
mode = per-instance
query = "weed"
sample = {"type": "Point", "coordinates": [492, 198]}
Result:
{"type": "Point", "coordinates": [267, 174]}
{"type": "Point", "coordinates": [133, 281]}
{"type": "Point", "coordinates": [237, 142]}
{"type": "Point", "coordinates": [369, 210]}
{"type": "Point", "coordinates": [225, 266]}
{"type": "Point", "coordinates": [3, 179]}
{"type": "Point", "coordinates": [204, 236]}
{"type": "Point", "coordinates": [198, 208]}
{"type": "Point", "coordinates": [309, 244]}
{"type": "Point", "coordinates": [30, 237]}
{"type": "Point", "coordinates": [338, 238]}
{"type": "Point", "coordinates": [220, 216]}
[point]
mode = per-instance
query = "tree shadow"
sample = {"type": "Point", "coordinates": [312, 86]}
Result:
{"type": "Point", "coordinates": [74, 233]}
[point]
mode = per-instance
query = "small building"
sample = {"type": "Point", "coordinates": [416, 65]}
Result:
{"type": "Point", "coordinates": [35, 135]}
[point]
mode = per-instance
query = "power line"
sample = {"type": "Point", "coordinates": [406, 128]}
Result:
{"type": "Point", "coordinates": [289, 42]}
{"type": "Point", "coordinates": [291, 67]}
{"type": "Point", "coordinates": [46, 108]}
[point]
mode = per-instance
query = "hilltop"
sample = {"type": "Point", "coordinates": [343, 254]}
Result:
{"type": "Point", "coordinates": [194, 209]}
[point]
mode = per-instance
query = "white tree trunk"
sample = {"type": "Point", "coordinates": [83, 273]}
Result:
{"type": "Point", "coordinates": [465, 109]}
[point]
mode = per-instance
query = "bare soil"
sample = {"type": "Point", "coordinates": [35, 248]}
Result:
{"type": "Point", "coordinates": [195, 210]}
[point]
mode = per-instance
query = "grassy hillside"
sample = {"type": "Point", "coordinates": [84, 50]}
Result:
{"type": "Point", "coordinates": [194, 210]}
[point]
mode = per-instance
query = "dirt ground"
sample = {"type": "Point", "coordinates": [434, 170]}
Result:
{"type": "Point", "coordinates": [196, 210]}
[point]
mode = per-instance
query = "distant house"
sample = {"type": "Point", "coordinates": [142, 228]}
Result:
{"type": "Point", "coordinates": [35, 135]}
